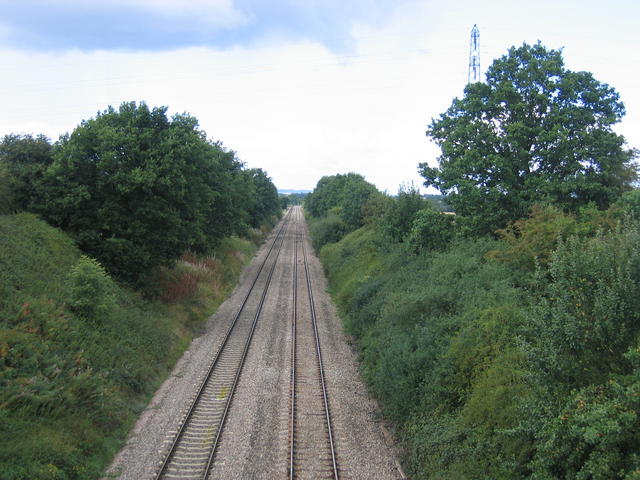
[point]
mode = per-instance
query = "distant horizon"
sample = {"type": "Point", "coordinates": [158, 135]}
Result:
{"type": "Point", "coordinates": [293, 190]}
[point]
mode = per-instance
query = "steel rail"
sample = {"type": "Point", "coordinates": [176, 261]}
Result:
{"type": "Point", "coordinates": [217, 355]}
{"type": "Point", "coordinates": [292, 473]}
{"type": "Point", "coordinates": [292, 418]}
{"type": "Point", "coordinates": [239, 371]}
{"type": "Point", "coordinates": [321, 364]}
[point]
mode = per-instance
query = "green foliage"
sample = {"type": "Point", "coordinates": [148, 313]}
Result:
{"type": "Point", "coordinates": [349, 192]}
{"type": "Point", "coordinates": [92, 291]}
{"type": "Point", "coordinates": [436, 333]}
{"type": "Point", "coordinates": [80, 354]}
{"type": "Point", "coordinates": [526, 367]}
{"type": "Point", "coordinates": [431, 230]}
{"type": "Point", "coordinates": [375, 207]}
{"type": "Point", "coordinates": [597, 432]}
{"type": "Point", "coordinates": [264, 195]}
{"type": "Point", "coordinates": [26, 159]}
{"type": "Point", "coordinates": [328, 229]}
{"type": "Point", "coordinates": [535, 132]}
{"type": "Point", "coordinates": [6, 189]}
{"type": "Point", "coordinates": [629, 204]}
{"type": "Point", "coordinates": [531, 241]}
{"type": "Point", "coordinates": [399, 215]}
{"type": "Point", "coordinates": [590, 311]}
{"type": "Point", "coordinates": [136, 189]}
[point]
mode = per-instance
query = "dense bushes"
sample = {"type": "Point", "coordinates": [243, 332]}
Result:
{"type": "Point", "coordinates": [79, 354]}
{"type": "Point", "coordinates": [329, 229]}
{"type": "Point", "coordinates": [136, 189]}
{"type": "Point", "coordinates": [344, 195]}
{"type": "Point", "coordinates": [25, 158]}
{"type": "Point", "coordinates": [504, 341]}
{"type": "Point", "coordinates": [499, 358]}
{"type": "Point", "coordinates": [581, 341]}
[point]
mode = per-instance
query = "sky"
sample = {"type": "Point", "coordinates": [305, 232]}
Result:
{"type": "Point", "coordinates": [300, 88]}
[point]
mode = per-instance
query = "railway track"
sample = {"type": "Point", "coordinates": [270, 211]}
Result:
{"type": "Point", "coordinates": [192, 451]}
{"type": "Point", "coordinates": [311, 449]}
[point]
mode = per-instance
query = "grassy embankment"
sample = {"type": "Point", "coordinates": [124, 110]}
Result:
{"type": "Point", "coordinates": [502, 359]}
{"type": "Point", "coordinates": [80, 355]}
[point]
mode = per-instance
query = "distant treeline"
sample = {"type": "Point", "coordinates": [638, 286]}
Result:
{"type": "Point", "coordinates": [135, 188]}
{"type": "Point", "coordinates": [503, 341]}
{"type": "Point", "coordinates": [294, 198]}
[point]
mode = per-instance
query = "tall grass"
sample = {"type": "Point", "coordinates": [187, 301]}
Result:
{"type": "Point", "coordinates": [79, 354]}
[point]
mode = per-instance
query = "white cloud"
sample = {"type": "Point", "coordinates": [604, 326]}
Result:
{"type": "Point", "coordinates": [296, 109]}
{"type": "Point", "coordinates": [218, 13]}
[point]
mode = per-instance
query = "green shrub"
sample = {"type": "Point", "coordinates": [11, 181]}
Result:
{"type": "Point", "coordinates": [438, 337]}
{"type": "Point", "coordinates": [629, 204]}
{"type": "Point", "coordinates": [531, 241]}
{"type": "Point", "coordinates": [589, 312]}
{"type": "Point", "coordinates": [596, 433]}
{"type": "Point", "coordinates": [92, 290]}
{"type": "Point", "coordinates": [525, 367]}
{"type": "Point", "coordinates": [431, 230]}
{"type": "Point", "coordinates": [328, 229]}
{"type": "Point", "coordinates": [6, 191]}
{"type": "Point", "coordinates": [400, 213]}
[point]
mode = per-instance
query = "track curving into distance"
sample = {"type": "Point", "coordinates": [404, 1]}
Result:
{"type": "Point", "coordinates": [192, 452]}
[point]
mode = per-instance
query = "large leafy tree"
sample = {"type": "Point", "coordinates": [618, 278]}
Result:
{"type": "Point", "coordinates": [534, 132]}
{"type": "Point", "coordinates": [136, 188]}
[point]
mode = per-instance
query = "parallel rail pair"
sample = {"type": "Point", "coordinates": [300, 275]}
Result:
{"type": "Point", "coordinates": [311, 449]}
{"type": "Point", "coordinates": [193, 449]}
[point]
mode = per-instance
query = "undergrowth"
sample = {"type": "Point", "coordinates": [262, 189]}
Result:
{"type": "Point", "coordinates": [80, 355]}
{"type": "Point", "coordinates": [510, 358]}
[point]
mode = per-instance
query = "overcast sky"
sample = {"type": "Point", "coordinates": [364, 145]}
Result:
{"type": "Point", "coordinates": [301, 88]}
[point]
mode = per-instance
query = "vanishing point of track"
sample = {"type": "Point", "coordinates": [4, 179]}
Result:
{"type": "Point", "coordinates": [311, 444]}
{"type": "Point", "coordinates": [192, 452]}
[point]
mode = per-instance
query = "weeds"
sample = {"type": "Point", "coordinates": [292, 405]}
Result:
{"type": "Point", "coordinates": [80, 355]}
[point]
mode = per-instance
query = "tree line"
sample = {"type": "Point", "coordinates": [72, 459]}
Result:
{"type": "Point", "coordinates": [503, 341]}
{"type": "Point", "coordinates": [136, 188]}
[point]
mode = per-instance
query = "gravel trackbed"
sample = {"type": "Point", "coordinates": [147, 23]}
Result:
{"type": "Point", "coordinates": [254, 443]}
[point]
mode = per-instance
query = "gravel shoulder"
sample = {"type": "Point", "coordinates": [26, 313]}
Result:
{"type": "Point", "coordinates": [254, 443]}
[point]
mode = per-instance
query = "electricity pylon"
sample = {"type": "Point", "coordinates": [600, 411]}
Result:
{"type": "Point", "coordinates": [474, 56]}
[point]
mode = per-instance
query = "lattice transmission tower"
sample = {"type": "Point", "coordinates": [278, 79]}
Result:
{"type": "Point", "coordinates": [474, 56]}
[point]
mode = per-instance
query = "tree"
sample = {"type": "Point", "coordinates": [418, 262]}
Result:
{"type": "Point", "coordinates": [349, 192]}
{"type": "Point", "coordinates": [535, 132]}
{"type": "Point", "coordinates": [266, 202]}
{"type": "Point", "coordinates": [25, 159]}
{"type": "Point", "coordinates": [136, 189]}
{"type": "Point", "coordinates": [398, 218]}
